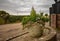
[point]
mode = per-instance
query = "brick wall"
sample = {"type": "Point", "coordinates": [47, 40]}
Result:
{"type": "Point", "coordinates": [58, 20]}
{"type": "Point", "coordinates": [53, 20]}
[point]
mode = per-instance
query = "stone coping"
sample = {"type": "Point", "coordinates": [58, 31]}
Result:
{"type": "Point", "coordinates": [49, 36]}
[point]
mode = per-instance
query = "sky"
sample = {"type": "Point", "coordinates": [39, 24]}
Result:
{"type": "Point", "coordinates": [23, 7]}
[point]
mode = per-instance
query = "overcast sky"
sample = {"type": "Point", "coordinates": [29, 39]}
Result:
{"type": "Point", "coordinates": [24, 6]}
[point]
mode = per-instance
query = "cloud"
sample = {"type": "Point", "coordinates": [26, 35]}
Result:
{"type": "Point", "coordinates": [23, 9]}
{"type": "Point", "coordinates": [24, 6]}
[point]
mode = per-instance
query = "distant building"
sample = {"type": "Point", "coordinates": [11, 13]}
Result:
{"type": "Point", "coordinates": [55, 14]}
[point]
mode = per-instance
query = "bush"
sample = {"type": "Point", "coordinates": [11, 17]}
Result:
{"type": "Point", "coordinates": [45, 19]}
{"type": "Point", "coordinates": [2, 21]}
{"type": "Point", "coordinates": [25, 20]}
{"type": "Point", "coordinates": [12, 19]}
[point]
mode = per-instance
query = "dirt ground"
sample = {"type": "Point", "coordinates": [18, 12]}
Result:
{"type": "Point", "coordinates": [11, 30]}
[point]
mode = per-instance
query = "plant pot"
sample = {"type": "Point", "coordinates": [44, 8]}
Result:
{"type": "Point", "coordinates": [35, 30]}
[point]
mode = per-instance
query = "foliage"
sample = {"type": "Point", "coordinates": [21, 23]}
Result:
{"type": "Point", "coordinates": [4, 15]}
{"type": "Point", "coordinates": [2, 21]}
{"type": "Point", "coordinates": [46, 15]}
{"type": "Point", "coordinates": [33, 15]}
{"type": "Point", "coordinates": [25, 20]}
{"type": "Point", "coordinates": [12, 19]}
{"type": "Point", "coordinates": [31, 18]}
{"type": "Point", "coordinates": [41, 14]}
{"type": "Point", "coordinates": [42, 18]}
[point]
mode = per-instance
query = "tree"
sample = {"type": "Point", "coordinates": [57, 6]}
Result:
{"type": "Point", "coordinates": [4, 15]}
{"type": "Point", "coordinates": [41, 14]}
{"type": "Point", "coordinates": [33, 14]}
{"type": "Point", "coordinates": [46, 15]}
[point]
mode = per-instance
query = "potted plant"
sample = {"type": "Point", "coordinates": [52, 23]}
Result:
{"type": "Point", "coordinates": [35, 26]}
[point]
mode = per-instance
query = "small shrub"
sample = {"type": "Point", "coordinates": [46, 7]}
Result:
{"type": "Point", "coordinates": [25, 20]}
{"type": "Point", "coordinates": [45, 19]}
